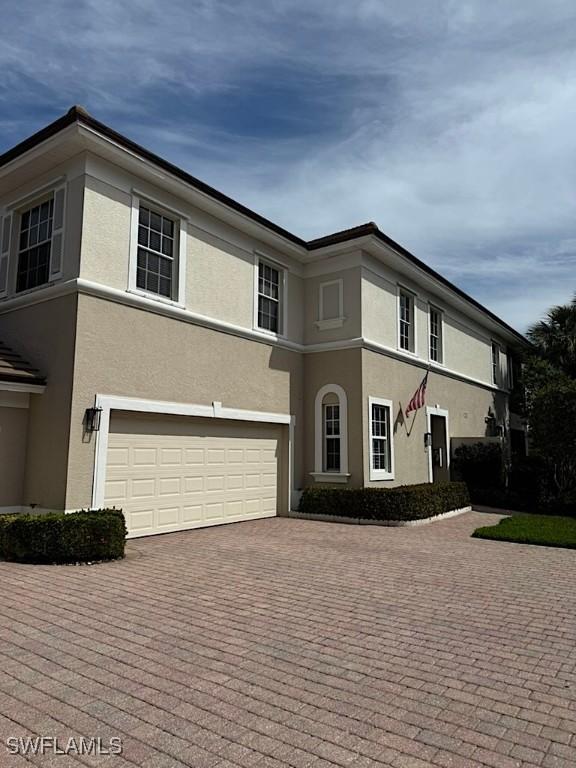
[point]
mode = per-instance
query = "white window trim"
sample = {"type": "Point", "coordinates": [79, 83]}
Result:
{"type": "Point", "coordinates": [324, 324]}
{"type": "Point", "coordinates": [402, 289]}
{"type": "Point", "coordinates": [437, 411]}
{"type": "Point", "coordinates": [435, 308]}
{"type": "Point", "coordinates": [381, 474]}
{"type": "Point", "coordinates": [283, 315]}
{"type": "Point", "coordinates": [180, 222]}
{"type": "Point", "coordinates": [496, 380]}
{"type": "Point", "coordinates": [319, 475]}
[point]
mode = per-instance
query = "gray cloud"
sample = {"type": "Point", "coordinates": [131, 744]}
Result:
{"type": "Point", "coordinates": [449, 122]}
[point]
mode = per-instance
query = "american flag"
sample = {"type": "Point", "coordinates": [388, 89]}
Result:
{"type": "Point", "coordinates": [419, 397]}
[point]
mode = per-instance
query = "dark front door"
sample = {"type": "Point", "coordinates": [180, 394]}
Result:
{"type": "Point", "coordinates": [440, 469]}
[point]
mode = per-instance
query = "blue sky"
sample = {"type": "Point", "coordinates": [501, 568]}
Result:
{"type": "Point", "coordinates": [451, 123]}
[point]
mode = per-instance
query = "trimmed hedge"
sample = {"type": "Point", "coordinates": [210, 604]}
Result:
{"type": "Point", "coordinates": [78, 537]}
{"type": "Point", "coordinates": [405, 502]}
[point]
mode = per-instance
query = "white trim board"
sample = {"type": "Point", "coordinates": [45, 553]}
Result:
{"type": "Point", "coordinates": [169, 309]}
{"type": "Point", "coordinates": [110, 403]}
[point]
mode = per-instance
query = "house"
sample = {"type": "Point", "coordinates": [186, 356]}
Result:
{"type": "Point", "coordinates": [168, 351]}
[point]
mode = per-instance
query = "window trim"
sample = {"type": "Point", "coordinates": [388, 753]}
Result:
{"type": "Point", "coordinates": [323, 323]}
{"type": "Point", "coordinates": [440, 313]}
{"type": "Point", "coordinates": [381, 474]}
{"type": "Point", "coordinates": [180, 225]}
{"type": "Point", "coordinates": [400, 290]}
{"type": "Point", "coordinates": [495, 376]}
{"type": "Point", "coordinates": [319, 475]}
{"type": "Point", "coordinates": [282, 293]}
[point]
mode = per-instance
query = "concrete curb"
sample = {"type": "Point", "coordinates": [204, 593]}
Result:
{"type": "Point", "coordinates": [386, 523]}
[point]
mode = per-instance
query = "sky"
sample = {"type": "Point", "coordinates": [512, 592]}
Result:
{"type": "Point", "coordinates": [450, 123]}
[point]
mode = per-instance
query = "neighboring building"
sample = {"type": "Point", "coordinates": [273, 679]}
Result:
{"type": "Point", "coordinates": [233, 362]}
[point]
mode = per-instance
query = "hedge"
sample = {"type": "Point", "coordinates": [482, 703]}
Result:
{"type": "Point", "coordinates": [78, 537]}
{"type": "Point", "coordinates": [405, 502]}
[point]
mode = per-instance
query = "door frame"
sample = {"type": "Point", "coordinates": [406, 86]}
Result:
{"type": "Point", "coordinates": [109, 403]}
{"type": "Point", "coordinates": [437, 411]}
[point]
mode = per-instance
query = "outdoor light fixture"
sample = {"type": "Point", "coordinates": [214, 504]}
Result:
{"type": "Point", "coordinates": [427, 439]}
{"type": "Point", "coordinates": [92, 419]}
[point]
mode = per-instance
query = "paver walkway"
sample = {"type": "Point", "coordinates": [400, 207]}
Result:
{"type": "Point", "coordinates": [294, 643]}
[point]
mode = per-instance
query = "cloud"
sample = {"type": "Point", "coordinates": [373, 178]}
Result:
{"type": "Point", "coordinates": [449, 122]}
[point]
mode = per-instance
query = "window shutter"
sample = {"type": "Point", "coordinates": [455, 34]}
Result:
{"type": "Point", "coordinates": [6, 228]}
{"type": "Point", "coordinates": [57, 253]}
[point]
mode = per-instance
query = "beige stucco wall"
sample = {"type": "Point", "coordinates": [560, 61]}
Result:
{"type": "Point", "coordinates": [133, 353]}
{"type": "Point", "coordinates": [466, 346]}
{"type": "Point", "coordinates": [13, 432]}
{"type": "Point", "coordinates": [220, 264]}
{"type": "Point", "coordinates": [467, 406]}
{"type": "Point", "coordinates": [337, 367]}
{"type": "Point", "coordinates": [44, 335]}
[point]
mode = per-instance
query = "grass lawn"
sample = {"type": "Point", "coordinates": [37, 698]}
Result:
{"type": "Point", "coordinates": [545, 530]}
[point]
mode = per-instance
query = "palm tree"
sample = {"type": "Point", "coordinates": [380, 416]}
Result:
{"type": "Point", "coordinates": [555, 337]}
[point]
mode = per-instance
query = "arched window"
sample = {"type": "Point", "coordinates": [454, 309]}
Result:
{"type": "Point", "coordinates": [331, 435]}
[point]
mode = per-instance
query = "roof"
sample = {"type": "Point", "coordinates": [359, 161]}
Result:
{"type": "Point", "coordinates": [79, 115]}
{"type": "Point", "coordinates": [15, 370]}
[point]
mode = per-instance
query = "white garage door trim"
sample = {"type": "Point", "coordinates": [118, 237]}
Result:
{"type": "Point", "coordinates": [110, 403]}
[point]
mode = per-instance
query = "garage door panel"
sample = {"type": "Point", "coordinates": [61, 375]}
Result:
{"type": "Point", "coordinates": [178, 475]}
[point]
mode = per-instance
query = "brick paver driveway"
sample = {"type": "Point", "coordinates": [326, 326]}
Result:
{"type": "Point", "coordinates": [287, 642]}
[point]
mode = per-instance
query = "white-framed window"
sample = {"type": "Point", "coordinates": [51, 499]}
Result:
{"type": "Point", "coordinates": [40, 230]}
{"type": "Point", "coordinates": [332, 438]}
{"type": "Point", "coordinates": [155, 265]}
{"type": "Point", "coordinates": [495, 353]}
{"type": "Point", "coordinates": [331, 435]}
{"type": "Point", "coordinates": [436, 341]}
{"type": "Point", "coordinates": [406, 319]}
{"type": "Point", "coordinates": [381, 439]}
{"type": "Point", "coordinates": [157, 251]}
{"type": "Point", "coordinates": [330, 304]}
{"type": "Point", "coordinates": [270, 297]}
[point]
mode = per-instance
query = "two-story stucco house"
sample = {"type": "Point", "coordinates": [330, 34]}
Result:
{"type": "Point", "coordinates": [165, 350]}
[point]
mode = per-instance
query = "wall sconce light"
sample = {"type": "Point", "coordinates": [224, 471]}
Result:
{"type": "Point", "coordinates": [427, 439]}
{"type": "Point", "coordinates": [92, 419]}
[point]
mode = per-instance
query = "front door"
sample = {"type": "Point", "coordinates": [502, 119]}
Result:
{"type": "Point", "coordinates": [440, 468]}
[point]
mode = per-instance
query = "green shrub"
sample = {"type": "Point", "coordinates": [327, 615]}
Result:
{"type": "Point", "coordinates": [479, 465]}
{"type": "Point", "coordinates": [79, 537]}
{"type": "Point", "coordinates": [405, 502]}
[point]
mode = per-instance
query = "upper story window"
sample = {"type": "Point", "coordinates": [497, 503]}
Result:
{"type": "Point", "coordinates": [406, 321]}
{"type": "Point", "coordinates": [270, 297]}
{"type": "Point", "coordinates": [35, 245]}
{"type": "Point", "coordinates": [155, 269]}
{"type": "Point", "coordinates": [510, 371]}
{"type": "Point", "coordinates": [436, 340]}
{"type": "Point", "coordinates": [157, 251]}
{"type": "Point", "coordinates": [40, 240]}
{"type": "Point", "coordinates": [381, 456]}
{"type": "Point", "coordinates": [495, 363]}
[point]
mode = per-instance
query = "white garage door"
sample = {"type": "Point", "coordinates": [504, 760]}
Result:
{"type": "Point", "coordinates": [170, 474]}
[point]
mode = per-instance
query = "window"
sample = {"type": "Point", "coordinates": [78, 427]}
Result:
{"type": "Point", "coordinates": [406, 319]}
{"type": "Point", "coordinates": [35, 246]}
{"type": "Point", "coordinates": [436, 351]}
{"type": "Point", "coordinates": [381, 455]}
{"type": "Point", "coordinates": [156, 251]}
{"type": "Point", "coordinates": [495, 363]}
{"type": "Point", "coordinates": [332, 438]}
{"type": "Point", "coordinates": [270, 284]}
{"type": "Point", "coordinates": [331, 435]}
